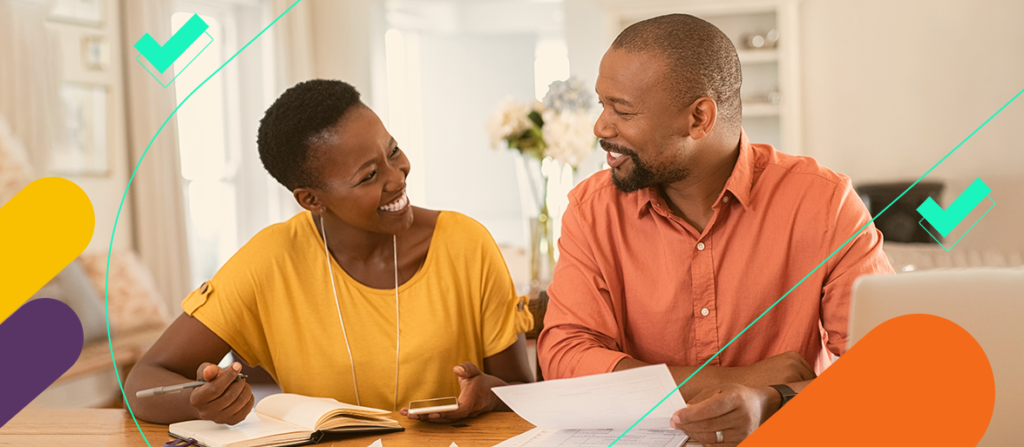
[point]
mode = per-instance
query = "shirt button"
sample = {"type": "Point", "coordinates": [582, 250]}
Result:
{"type": "Point", "coordinates": [725, 199]}
{"type": "Point", "coordinates": [705, 311]}
{"type": "Point", "coordinates": [700, 246]}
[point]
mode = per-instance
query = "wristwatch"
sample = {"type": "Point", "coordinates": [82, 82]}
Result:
{"type": "Point", "coordinates": [786, 392]}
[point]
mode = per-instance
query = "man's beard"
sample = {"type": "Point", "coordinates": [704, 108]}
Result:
{"type": "Point", "coordinates": [643, 175]}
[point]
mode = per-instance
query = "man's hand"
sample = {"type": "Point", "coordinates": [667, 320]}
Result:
{"type": "Point", "coordinates": [475, 399]}
{"type": "Point", "coordinates": [735, 410]}
{"type": "Point", "coordinates": [222, 400]}
{"type": "Point", "coordinates": [788, 367]}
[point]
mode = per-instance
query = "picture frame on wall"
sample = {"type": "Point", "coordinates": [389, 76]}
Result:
{"type": "Point", "coordinates": [79, 12]}
{"type": "Point", "coordinates": [86, 150]}
{"type": "Point", "coordinates": [95, 52]}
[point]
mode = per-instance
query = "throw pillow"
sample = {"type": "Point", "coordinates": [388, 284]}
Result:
{"type": "Point", "coordinates": [133, 302]}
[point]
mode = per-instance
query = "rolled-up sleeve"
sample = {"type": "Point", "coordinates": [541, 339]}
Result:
{"type": "Point", "coordinates": [863, 255]}
{"type": "Point", "coordinates": [581, 334]}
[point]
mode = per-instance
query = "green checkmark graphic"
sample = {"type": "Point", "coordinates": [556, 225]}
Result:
{"type": "Point", "coordinates": [163, 56]}
{"type": "Point", "coordinates": [945, 220]}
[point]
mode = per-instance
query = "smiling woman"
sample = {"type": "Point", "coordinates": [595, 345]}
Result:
{"type": "Point", "coordinates": [298, 290]}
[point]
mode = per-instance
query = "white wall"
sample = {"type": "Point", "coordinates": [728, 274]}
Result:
{"type": "Point", "coordinates": [464, 78]}
{"type": "Point", "coordinates": [891, 87]}
{"type": "Point", "coordinates": [341, 41]}
{"type": "Point", "coordinates": [587, 38]}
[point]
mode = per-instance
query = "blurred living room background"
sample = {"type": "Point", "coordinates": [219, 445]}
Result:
{"type": "Point", "coordinates": [878, 90]}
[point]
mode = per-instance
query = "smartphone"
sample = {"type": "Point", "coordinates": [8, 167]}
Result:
{"type": "Point", "coordinates": [433, 405]}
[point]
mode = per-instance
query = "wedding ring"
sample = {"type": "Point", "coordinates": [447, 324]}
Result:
{"type": "Point", "coordinates": [719, 437]}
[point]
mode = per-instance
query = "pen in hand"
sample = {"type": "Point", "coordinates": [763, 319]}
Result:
{"type": "Point", "coordinates": [176, 388]}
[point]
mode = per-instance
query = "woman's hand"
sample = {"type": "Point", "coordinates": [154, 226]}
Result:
{"type": "Point", "coordinates": [222, 400]}
{"type": "Point", "coordinates": [735, 410]}
{"type": "Point", "coordinates": [475, 399]}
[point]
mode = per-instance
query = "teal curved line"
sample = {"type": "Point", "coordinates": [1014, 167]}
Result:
{"type": "Point", "coordinates": [676, 389]}
{"type": "Point", "coordinates": [106, 283]}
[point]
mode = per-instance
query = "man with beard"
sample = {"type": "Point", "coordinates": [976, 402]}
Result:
{"type": "Point", "coordinates": [694, 233]}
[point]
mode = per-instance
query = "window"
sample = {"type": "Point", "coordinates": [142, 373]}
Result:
{"type": "Point", "coordinates": [225, 186]}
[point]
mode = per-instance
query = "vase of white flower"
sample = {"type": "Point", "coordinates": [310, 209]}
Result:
{"type": "Point", "coordinates": [549, 136]}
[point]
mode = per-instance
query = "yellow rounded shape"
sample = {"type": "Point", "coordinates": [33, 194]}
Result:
{"type": "Point", "coordinates": [42, 229]}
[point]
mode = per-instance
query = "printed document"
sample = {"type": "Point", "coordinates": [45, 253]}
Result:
{"type": "Point", "coordinates": [595, 410]}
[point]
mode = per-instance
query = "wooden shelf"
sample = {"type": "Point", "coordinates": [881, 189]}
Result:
{"type": "Point", "coordinates": [760, 109]}
{"type": "Point", "coordinates": [758, 56]}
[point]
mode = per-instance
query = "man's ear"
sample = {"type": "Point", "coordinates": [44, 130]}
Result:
{"type": "Point", "coordinates": [703, 115]}
{"type": "Point", "coordinates": [308, 200]}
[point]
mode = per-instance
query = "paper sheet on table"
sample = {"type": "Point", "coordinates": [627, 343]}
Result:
{"type": "Point", "coordinates": [377, 443]}
{"type": "Point", "coordinates": [603, 401]}
{"type": "Point", "coordinates": [540, 437]}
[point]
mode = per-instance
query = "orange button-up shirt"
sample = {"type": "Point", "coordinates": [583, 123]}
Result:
{"type": "Point", "coordinates": [634, 280]}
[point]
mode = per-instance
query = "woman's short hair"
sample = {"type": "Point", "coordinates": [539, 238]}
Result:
{"type": "Point", "coordinates": [293, 123]}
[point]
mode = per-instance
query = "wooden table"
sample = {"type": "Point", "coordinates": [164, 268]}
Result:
{"type": "Point", "coordinates": [114, 428]}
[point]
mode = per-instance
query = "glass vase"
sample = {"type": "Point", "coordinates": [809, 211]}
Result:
{"type": "Point", "coordinates": [537, 220]}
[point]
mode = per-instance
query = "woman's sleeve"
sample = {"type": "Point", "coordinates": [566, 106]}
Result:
{"type": "Point", "coordinates": [227, 305]}
{"type": "Point", "coordinates": [504, 314]}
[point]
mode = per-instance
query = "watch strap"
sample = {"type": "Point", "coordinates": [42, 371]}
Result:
{"type": "Point", "coordinates": [785, 392]}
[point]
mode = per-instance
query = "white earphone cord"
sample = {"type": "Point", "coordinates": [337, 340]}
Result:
{"type": "Point", "coordinates": [327, 254]}
{"type": "Point", "coordinates": [398, 322]}
{"type": "Point", "coordinates": [337, 305]}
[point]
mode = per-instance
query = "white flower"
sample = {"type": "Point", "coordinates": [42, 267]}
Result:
{"type": "Point", "coordinates": [568, 96]}
{"type": "Point", "coordinates": [569, 136]}
{"type": "Point", "coordinates": [508, 120]}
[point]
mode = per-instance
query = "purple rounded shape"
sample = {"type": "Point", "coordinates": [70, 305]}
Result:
{"type": "Point", "coordinates": [38, 343]}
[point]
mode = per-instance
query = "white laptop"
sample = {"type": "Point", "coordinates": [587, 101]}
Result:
{"type": "Point", "coordinates": [988, 303]}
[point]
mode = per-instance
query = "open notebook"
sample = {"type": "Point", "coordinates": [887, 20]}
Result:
{"type": "Point", "coordinates": [286, 420]}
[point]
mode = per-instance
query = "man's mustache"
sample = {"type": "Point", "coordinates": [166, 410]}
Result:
{"type": "Point", "coordinates": [612, 147]}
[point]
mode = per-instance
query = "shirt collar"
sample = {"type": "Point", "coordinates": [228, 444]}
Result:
{"type": "Point", "coordinates": [738, 185]}
{"type": "Point", "coordinates": [741, 181]}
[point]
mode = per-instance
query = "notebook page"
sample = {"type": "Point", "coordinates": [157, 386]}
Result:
{"type": "Point", "coordinates": [307, 412]}
{"type": "Point", "coordinates": [254, 427]}
{"type": "Point", "coordinates": [343, 421]}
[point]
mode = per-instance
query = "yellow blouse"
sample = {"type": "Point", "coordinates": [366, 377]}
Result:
{"type": "Point", "coordinates": [273, 303]}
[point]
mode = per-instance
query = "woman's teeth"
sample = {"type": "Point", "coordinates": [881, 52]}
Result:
{"type": "Point", "coordinates": [397, 205]}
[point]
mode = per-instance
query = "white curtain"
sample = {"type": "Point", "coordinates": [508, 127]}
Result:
{"type": "Point", "coordinates": [293, 62]}
{"type": "Point", "coordinates": [156, 191]}
{"type": "Point", "coordinates": [29, 78]}
{"type": "Point", "coordinates": [293, 43]}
